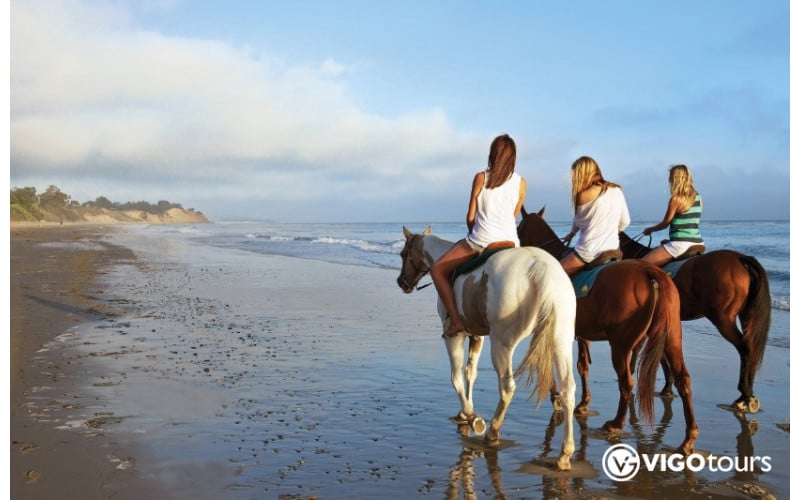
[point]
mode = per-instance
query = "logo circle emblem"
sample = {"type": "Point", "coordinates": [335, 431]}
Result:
{"type": "Point", "coordinates": [621, 462]}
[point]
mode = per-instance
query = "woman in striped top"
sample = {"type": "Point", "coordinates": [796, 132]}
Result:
{"type": "Point", "coordinates": [683, 218]}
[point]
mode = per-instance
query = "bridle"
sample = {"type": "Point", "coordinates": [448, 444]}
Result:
{"type": "Point", "coordinates": [421, 269]}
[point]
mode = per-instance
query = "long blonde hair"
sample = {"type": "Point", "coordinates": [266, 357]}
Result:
{"type": "Point", "coordinates": [585, 172]}
{"type": "Point", "coordinates": [502, 158]}
{"type": "Point", "coordinates": [681, 187]}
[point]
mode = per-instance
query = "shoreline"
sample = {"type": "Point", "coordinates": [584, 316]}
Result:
{"type": "Point", "coordinates": [53, 271]}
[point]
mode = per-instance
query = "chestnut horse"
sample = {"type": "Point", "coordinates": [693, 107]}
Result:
{"type": "Point", "coordinates": [516, 293]}
{"type": "Point", "coordinates": [629, 302]}
{"type": "Point", "coordinates": [722, 285]}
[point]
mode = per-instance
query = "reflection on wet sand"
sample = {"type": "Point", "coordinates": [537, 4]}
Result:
{"type": "Point", "coordinates": [572, 484]}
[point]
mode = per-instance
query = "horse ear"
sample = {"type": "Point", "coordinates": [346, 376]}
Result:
{"type": "Point", "coordinates": [427, 231]}
{"type": "Point", "coordinates": [523, 211]}
{"type": "Point", "coordinates": [406, 232]}
{"type": "Point", "coordinates": [540, 213]}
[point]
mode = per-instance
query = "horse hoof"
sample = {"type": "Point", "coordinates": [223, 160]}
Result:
{"type": "Point", "coordinates": [460, 419]}
{"type": "Point", "coordinates": [582, 410]}
{"type": "Point", "coordinates": [611, 428]}
{"type": "Point", "coordinates": [563, 464]}
{"type": "Point", "coordinates": [753, 404]}
{"type": "Point", "coordinates": [478, 425]}
{"type": "Point", "coordinates": [558, 405]}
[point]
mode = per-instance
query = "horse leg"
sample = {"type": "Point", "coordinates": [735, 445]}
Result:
{"type": "Point", "coordinates": [727, 327]}
{"type": "Point", "coordinates": [474, 354]}
{"type": "Point", "coordinates": [455, 350]}
{"type": "Point", "coordinates": [566, 392]}
{"type": "Point", "coordinates": [501, 359]}
{"type": "Point", "coordinates": [620, 357]}
{"type": "Point", "coordinates": [584, 360]}
{"type": "Point", "coordinates": [668, 380]}
{"type": "Point", "coordinates": [674, 354]}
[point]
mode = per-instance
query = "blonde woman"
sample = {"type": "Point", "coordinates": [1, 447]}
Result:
{"type": "Point", "coordinates": [600, 214]}
{"type": "Point", "coordinates": [683, 218]}
{"type": "Point", "coordinates": [494, 204]}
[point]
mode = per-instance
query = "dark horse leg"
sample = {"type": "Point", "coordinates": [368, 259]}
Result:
{"type": "Point", "coordinates": [620, 357]}
{"type": "Point", "coordinates": [673, 352]}
{"type": "Point", "coordinates": [727, 327]}
{"type": "Point", "coordinates": [584, 360]}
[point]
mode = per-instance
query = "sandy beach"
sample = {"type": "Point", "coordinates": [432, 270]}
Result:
{"type": "Point", "coordinates": [143, 366]}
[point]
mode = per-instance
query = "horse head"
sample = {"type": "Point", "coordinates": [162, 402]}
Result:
{"type": "Point", "coordinates": [534, 231]}
{"type": "Point", "coordinates": [416, 262]}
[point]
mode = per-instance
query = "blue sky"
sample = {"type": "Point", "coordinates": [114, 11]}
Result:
{"type": "Point", "coordinates": [383, 111]}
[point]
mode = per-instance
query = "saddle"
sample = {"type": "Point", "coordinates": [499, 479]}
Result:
{"type": "Point", "coordinates": [604, 258]}
{"type": "Point", "coordinates": [481, 258]}
{"type": "Point", "coordinates": [583, 280]}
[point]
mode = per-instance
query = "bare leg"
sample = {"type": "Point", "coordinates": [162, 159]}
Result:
{"type": "Point", "coordinates": [658, 256]}
{"type": "Point", "coordinates": [572, 264]}
{"type": "Point", "coordinates": [440, 273]}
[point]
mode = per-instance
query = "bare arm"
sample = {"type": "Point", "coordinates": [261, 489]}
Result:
{"type": "Point", "coordinates": [477, 185]}
{"type": "Point", "coordinates": [672, 208]}
{"type": "Point", "coordinates": [625, 218]}
{"type": "Point", "coordinates": [523, 189]}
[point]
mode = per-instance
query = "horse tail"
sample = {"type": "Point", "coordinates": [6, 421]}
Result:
{"type": "Point", "coordinates": [538, 360]}
{"type": "Point", "coordinates": [664, 305]}
{"type": "Point", "coordinates": [756, 314]}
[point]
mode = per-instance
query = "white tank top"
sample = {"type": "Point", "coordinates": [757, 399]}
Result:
{"type": "Point", "coordinates": [495, 219]}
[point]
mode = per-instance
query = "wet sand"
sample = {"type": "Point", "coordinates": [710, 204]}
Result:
{"type": "Point", "coordinates": [142, 366]}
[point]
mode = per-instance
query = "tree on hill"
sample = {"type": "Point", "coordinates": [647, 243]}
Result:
{"type": "Point", "coordinates": [55, 205]}
{"type": "Point", "coordinates": [25, 204]}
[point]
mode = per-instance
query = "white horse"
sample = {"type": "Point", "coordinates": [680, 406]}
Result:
{"type": "Point", "coordinates": [515, 293]}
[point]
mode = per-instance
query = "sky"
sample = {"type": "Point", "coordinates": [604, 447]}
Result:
{"type": "Point", "coordinates": [361, 111]}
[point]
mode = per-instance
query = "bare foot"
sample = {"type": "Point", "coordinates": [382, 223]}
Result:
{"type": "Point", "coordinates": [453, 329]}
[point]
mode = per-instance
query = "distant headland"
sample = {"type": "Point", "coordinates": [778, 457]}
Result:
{"type": "Point", "coordinates": [55, 206]}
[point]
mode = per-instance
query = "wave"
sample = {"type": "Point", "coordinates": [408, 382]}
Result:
{"type": "Point", "coordinates": [366, 246]}
{"type": "Point", "coordinates": [272, 237]}
{"type": "Point", "coordinates": [780, 302]}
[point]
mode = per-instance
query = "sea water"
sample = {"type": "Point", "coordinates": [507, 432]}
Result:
{"type": "Point", "coordinates": [379, 244]}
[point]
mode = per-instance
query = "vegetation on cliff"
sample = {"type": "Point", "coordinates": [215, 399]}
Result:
{"type": "Point", "coordinates": [55, 206]}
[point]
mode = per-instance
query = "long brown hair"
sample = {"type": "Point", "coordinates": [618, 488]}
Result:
{"type": "Point", "coordinates": [681, 186]}
{"type": "Point", "coordinates": [585, 172]}
{"type": "Point", "coordinates": [502, 158]}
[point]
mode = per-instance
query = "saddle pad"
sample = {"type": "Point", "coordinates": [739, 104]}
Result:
{"type": "Point", "coordinates": [584, 280]}
{"type": "Point", "coordinates": [476, 261]}
{"type": "Point", "coordinates": [671, 268]}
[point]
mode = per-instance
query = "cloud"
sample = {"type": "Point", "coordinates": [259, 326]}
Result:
{"type": "Point", "coordinates": [95, 97]}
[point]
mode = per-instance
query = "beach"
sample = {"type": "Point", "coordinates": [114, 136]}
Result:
{"type": "Point", "coordinates": [144, 365]}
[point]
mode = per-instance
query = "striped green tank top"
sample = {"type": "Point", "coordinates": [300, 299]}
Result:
{"type": "Point", "coordinates": [685, 226]}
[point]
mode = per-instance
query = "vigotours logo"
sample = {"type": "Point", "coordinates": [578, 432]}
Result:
{"type": "Point", "coordinates": [621, 462]}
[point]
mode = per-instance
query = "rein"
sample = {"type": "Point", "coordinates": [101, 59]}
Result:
{"type": "Point", "coordinates": [636, 239]}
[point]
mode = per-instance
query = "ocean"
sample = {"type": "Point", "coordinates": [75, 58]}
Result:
{"type": "Point", "coordinates": [379, 244]}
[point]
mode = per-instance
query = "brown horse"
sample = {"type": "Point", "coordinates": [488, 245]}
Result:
{"type": "Point", "coordinates": [722, 285]}
{"type": "Point", "coordinates": [629, 302]}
